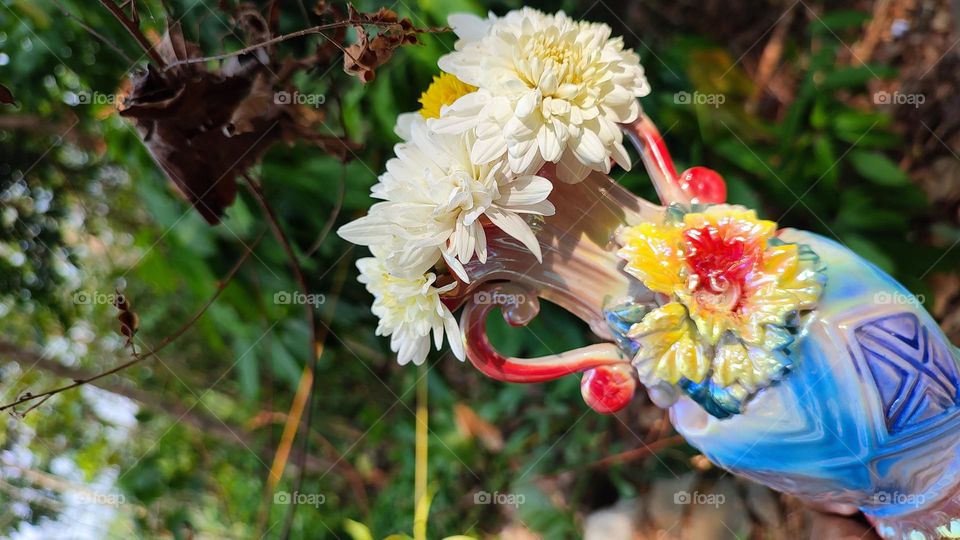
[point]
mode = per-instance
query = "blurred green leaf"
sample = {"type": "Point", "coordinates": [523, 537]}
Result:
{"type": "Point", "coordinates": [838, 21]}
{"type": "Point", "coordinates": [878, 168]}
{"type": "Point", "coordinates": [852, 77]}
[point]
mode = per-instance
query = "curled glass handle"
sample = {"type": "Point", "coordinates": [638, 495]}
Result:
{"type": "Point", "coordinates": [608, 383]}
{"type": "Point", "coordinates": [696, 185]}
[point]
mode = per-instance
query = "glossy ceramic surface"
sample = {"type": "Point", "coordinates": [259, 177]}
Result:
{"type": "Point", "coordinates": [863, 408]}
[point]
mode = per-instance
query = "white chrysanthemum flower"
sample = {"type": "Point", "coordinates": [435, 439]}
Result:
{"type": "Point", "coordinates": [409, 310]}
{"type": "Point", "coordinates": [550, 89]}
{"type": "Point", "coordinates": [433, 199]}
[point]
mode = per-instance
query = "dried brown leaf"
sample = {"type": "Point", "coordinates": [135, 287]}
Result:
{"type": "Point", "coordinates": [6, 96]}
{"type": "Point", "coordinates": [129, 320]}
{"type": "Point", "coordinates": [371, 51]}
{"type": "Point", "coordinates": [472, 425]}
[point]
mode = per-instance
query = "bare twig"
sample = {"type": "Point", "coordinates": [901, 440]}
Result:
{"type": "Point", "coordinates": [770, 58]}
{"type": "Point", "coordinates": [333, 215]}
{"type": "Point", "coordinates": [304, 394]}
{"type": "Point", "coordinates": [134, 29]}
{"type": "Point", "coordinates": [880, 22]}
{"type": "Point", "coordinates": [636, 453]}
{"type": "Point", "coordinates": [113, 46]}
{"type": "Point", "coordinates": [299, 33]}
{"type": "Point", "coordinates": [308, 379]}
{"type": "Point", "coordinates": [43, 396]}
{"type": "Point", "coordinates": [196, 417]}
{"type": "Point", "coordinates": [267, 43]}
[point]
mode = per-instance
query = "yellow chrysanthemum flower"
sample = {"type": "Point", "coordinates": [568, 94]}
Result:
{"type": "Point", "coordinates": [444, 90]}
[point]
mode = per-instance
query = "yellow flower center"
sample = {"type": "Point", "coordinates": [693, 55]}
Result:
{"type": "Point", "coordinates": [548, 48]}
{"type": "Point", "coordinates": [557, 52]}
{"type": "Point", "coordinates": [444, 90]}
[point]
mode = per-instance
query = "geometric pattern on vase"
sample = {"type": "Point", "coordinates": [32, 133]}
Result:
{"type": "Point", "coordinates": [915, 375]}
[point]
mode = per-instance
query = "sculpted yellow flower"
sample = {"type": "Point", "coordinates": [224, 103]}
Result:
{"type": "Point", "coordinates": [654, 255]}
{"type": "Point", "coordinates": [734, 289]}
{"type": "Point", "coordinates": [670, 348]}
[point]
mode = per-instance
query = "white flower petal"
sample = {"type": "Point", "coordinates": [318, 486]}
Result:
{"type": "Point", "coordinates": [516, 227]}
{"type": "Point", "coordinates": [454, 336]}
{"type": "Point", "coordinates": [366, 231]}
{"type": "Point", "coordinates": [524, 158]}
{"type": "Point", "coordinates": [455, 266]}
{"type": "Point", "coordinates": [542, 208]}
{"type": "Point", "coordinates": [528, 103]}
{"type": "Point", "coordinates": [570, 170]}
{"type": "Point", "coordinates": [549, 143]}
{"type": "Point", "coordinates": [410, 309]}
{"type": "Point", "coordinates": [620, 155]}
{"type": "Point", "coordinates": [589, 149]}
{"type": "Point", "coordinates": [461, 115]}
{"type": "Point", "coordinates": [468, 26]}
{"type": "Point", "coordinates": [488, 149]}
{"type": "Point", "coordinates": [526, 190]}
{"type": "Point", "coordinates": [404, 122]}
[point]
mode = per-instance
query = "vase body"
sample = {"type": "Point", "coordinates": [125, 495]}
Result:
{"type": "Point", "coordinates": [869, 415]}
{"type": "Point", "coordinates": [866, 415]}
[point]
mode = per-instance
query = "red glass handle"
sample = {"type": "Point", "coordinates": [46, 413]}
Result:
{"type": "Point", "coordinates": [608, 384]}
{"type": "Point", "coordinates": [695, 185]}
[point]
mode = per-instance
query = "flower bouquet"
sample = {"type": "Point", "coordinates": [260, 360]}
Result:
{"type": "Point", "coordinates": [772, 348]}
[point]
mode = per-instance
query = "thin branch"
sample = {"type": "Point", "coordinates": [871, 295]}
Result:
{"type": "Point", "coordinates": [333, 215]}
{"type": "Point", "coordinates": [43, 396]}
{"type": "Point", "coordinates": [636, 453]}
{"type": "Point", "coordinates": [134, 31]}
{"type": "Point", "coordinates": [113, 46]}
{"type": "Point", "coordinates": [299, 33]}
{"type": "Point", "coordinates": [338, 460]}
{"type": "Point", "coordinates": [267, 43]}
{"type": "Point", "coordinates": [317, 342]}
{"type": "Point", "coordinates": [305, 391]}
{"type": "Point", "coordinates": [196, 417]}
{"type": "Point", "coordinates": [254, 188]}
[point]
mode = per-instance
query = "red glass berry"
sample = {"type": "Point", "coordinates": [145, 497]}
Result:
{"type": "Point", "coordinates": [703, 185]}
{"type": "Point", "coordinates": [607, 389]}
